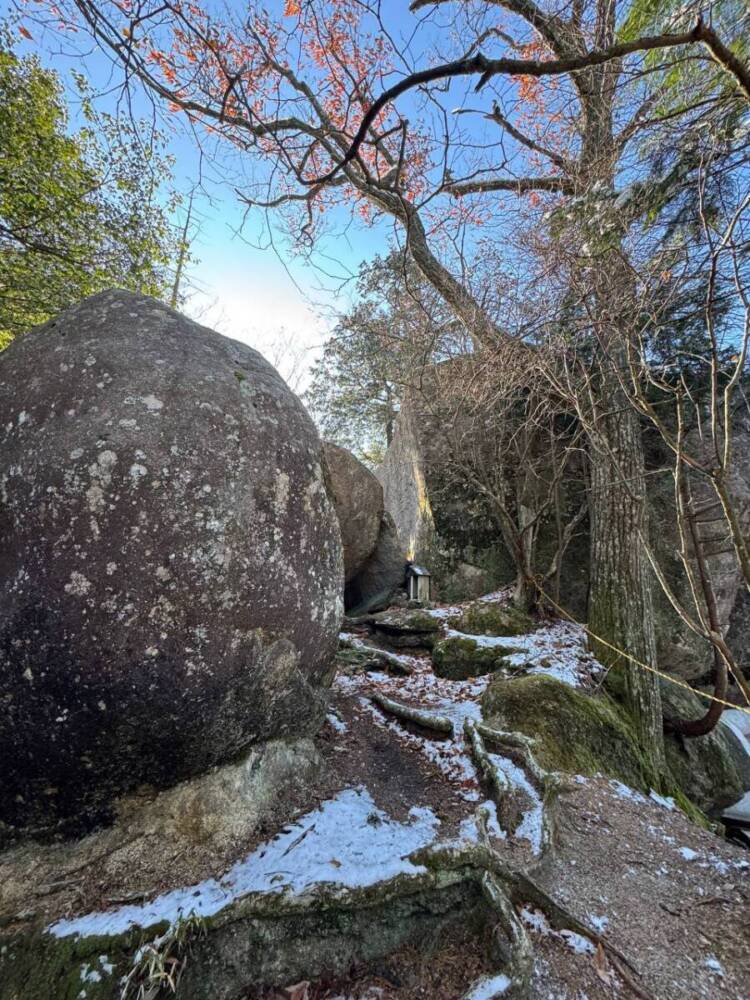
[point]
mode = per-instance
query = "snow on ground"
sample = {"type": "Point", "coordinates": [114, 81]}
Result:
{"type": "Point", "coordinates": [557, 650]}
{"type": "Point", "coordinates": [444, 612]}
{"type": "Point", "coordinates": [538, 922]}
{"type": "Point", "coordinates": [530, 828]}
{"type": "Point", "coordinates": [489, 988]}
{"type": "Point", "coordinates": [336, 723]}
{"type": "Point", "coordinates": [348, 841]}
{"type": "Point", "coordinates": [446, 753]}
{"type": "Point", "coordinates": [457, 700]}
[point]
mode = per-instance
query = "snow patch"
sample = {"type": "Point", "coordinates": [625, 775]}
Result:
{"type": "Point", "coordinates": [625, 792]}
{"type": "Point", "coordinates": [661, 800]}
{"type": "Point", "coordinates": [531, 827]}
{"type": "Point", "coordinates": [336, 723]}
{"type": "Point", "coordinates": [488, 988]}
{"type": "Point", "coordinates": [558, 650]}
{"type": "Point", "coordinates": [348, 841]}
{"type": "Point", "coordinates": [576, 942]}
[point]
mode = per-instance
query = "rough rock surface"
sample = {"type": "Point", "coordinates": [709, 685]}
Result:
{"type": "Point", "coordinates": [709, 768]}
{"type": "Point", "coordinates": [485, 618]}
{"type": "Point", "coordinates": [403, 477]}
{"type": "Point", "coordinates": [171, 570]}
{"type": "Point", "coordinates": [381, 576]}
{"type": "Point", "coordinates": [405, 629]}
{"type": "Point", "coordinates": [358, 498]}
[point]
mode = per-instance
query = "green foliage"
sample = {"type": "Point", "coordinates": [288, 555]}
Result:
{"type": "Point", "coordinates": [78, 212]}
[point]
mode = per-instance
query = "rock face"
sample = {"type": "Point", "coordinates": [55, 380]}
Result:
{"type": "Point", "coordinates": [708, 768]}
{"type": "Point", "coordinates": [403, 477]}
{"type": "Point", "coordinates": [381, 576]}
{"type": "Point", "coordinates": [358, 498]}
{"type": "Point", "coordinates": [171, 569]}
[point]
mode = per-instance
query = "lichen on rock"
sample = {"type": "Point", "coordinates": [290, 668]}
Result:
{"type": "Point", "coordinates": [172, 577]}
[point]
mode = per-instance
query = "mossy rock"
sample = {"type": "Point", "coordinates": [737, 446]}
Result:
{"type": "Point", "coordinates": [484, 618]}
{"type": "Point", "coordinates": [574, 732]}
{"type": "Point", "coordinates": [408, 620]}
{"type": "Point", "coordinates": [458, 659]}
{"type": "Point", "coordinates": [248, 944]}
{"type": "Point", "coordinates": [705, 768]}
{"type": "Point", "coordinates": [357, 661]}
{"type": "Point", "coordinates": [408, 628]}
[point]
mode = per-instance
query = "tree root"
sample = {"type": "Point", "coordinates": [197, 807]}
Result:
{"type": "Point", "coordinates": [506, 888]}
{"type": "Point", "coordinates": [496, 779]}
{"type": "Point", "coordinates": [547, 784]}
{"type": "Point", "coordinates": [391, 661]}
{"type": "Point", "coordinates": [428, 720]}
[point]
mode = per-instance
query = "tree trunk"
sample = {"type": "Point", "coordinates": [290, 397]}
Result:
{"type": "Point", "coordinates": [620, 605]}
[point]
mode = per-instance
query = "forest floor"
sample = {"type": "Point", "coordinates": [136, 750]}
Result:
{"type": "Point", "coordinates": [672, 898]}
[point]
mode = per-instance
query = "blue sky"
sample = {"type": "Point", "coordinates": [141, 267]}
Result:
{"type": "Point", "coordinates": [239, 285]}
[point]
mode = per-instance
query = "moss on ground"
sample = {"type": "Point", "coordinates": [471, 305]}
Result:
{"type": "Point", "coordinates": [484, 618]}
{"type": "Point", "coordinates": [704, 776]}
{"type": "Point", "coordinates": [457, 658]}
{"type": "Point", "coordinates": [575, 732]}
{"type": "Point", "coordinates": [582, 734]}
{"type": "Point", "coordinates": [39, 966]}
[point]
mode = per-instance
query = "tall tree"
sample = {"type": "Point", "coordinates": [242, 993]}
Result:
{"type": "Point", "coordinates": [80, 211]}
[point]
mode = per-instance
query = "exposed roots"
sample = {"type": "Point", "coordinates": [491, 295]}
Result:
{"type": "Point", "coordinates": [507, 888]}
{"type": "Point", "coordinates": [393, 663]}
{"type": "Point", "coordinates": [428, 720]}
{"type": "Point", "coordinates": [517, 746]}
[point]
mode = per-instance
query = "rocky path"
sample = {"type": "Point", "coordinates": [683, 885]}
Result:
{"type": "Point", "coordinates": [408, 862]}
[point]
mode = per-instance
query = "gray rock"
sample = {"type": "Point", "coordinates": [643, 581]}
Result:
{"type": "Point", "coordinates": [408, 628]}
{"type": "Point", "coordinates": [705, 768]}
{"type": "Point", "coordinates": [403, 477]}
{"type": "Point", "coordinates": [376, 584]}
{"type": "Point", "coordinates": [358, 498]}
{"type": "Point", "coordinates": [171, 572]}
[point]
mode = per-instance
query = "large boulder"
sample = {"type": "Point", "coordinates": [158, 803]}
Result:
{"type": "Point", "coordinates": [574, 732]}
{"type": "Point", "coordinates": [458, 658]}
{"type": "Point", "coordinates": [709, 768]}
{"type": "Point", "coordinates": [171, 570]}
{"type": "Point", "coordinates": [489, 618]}
{"type": "Point", "coordinates": [358, 498]}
